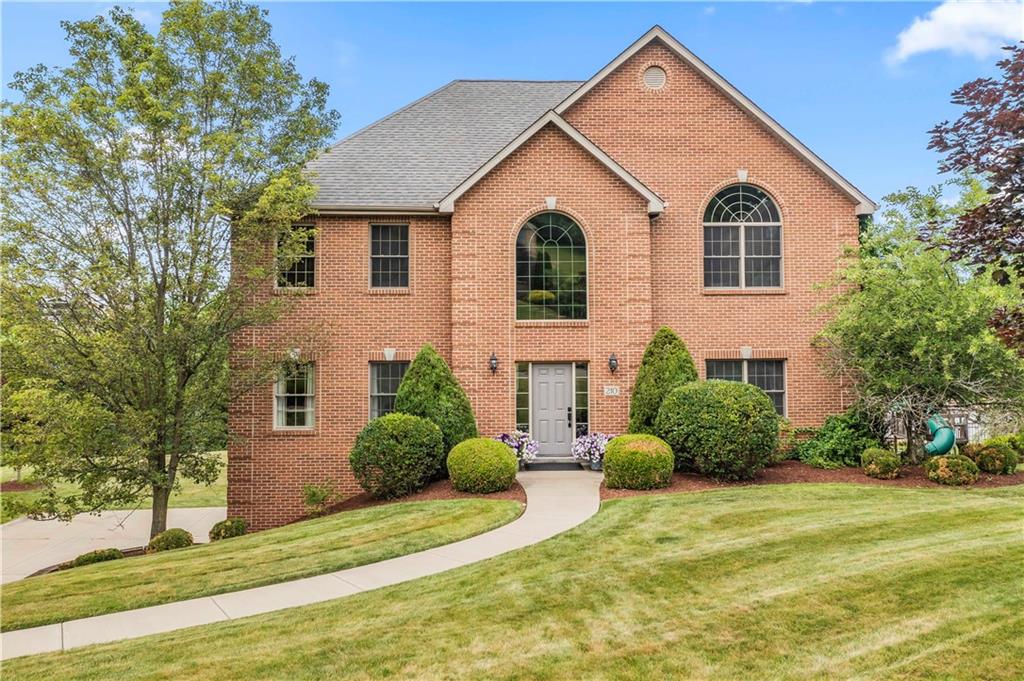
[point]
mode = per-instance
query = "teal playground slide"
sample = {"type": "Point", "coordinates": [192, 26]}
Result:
{"type": "Point", "coordinates": [943, 437]}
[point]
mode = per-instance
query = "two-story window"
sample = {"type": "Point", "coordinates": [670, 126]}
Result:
{"type": "Point", "coordinates": [384, 380]}
{"type": "Point", "coordinates": [298, 272]}
{"type": "Point", "coordinates": [389, 256]}
{"type": "Point", "coordinates": [767, 374]}
{"type": "Point", "coordinates": [551, 269]}
{"type": "Point", "coordinates": [742, 240]}
{"type": "Point", "coordinates": [295, 398]}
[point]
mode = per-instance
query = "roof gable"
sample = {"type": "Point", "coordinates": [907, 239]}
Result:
{"type": "Point", "coordinates": [864, 203]}
{"type": "Point", "coordinates": [655, 204]}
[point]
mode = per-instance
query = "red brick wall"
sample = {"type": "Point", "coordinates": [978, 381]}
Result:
{"type": "Point", "coordinates": [684, 141]}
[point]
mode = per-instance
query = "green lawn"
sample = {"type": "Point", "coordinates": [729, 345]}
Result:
{"type": "Point", "coordinates": [302, 549]}
{"type": "Point", "coordinates": [189, 495]}
{"type": "Point", "coordinates": [764, 582]}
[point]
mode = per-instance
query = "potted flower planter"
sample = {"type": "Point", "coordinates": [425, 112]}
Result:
{"type": "Point", "coordinates": [595, 465]}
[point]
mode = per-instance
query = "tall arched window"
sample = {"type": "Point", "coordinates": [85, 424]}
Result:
{"type": "Point", "coordinates": [551, 269]}
{"type": "Point", "coordinates": [742, 239]}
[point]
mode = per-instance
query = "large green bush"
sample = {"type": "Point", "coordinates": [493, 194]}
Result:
{"type": "Point", "coordinates": [880, 463]}
{"type": "Point", "coordinates": [430, 389]}
{"type": "Point", "coordinates": [97, 556]}
{"type": "Point", "coordinates": [396, 455]}
{"type": "Point", "coordinates": [839, 442]}
{"type": "Point", "coordinates": [725, 429]}
{"type": "Point", "coordinates": [225, 529]}
{"type": "Point", "coordinates": [951, 469]}
{"type": "Point", "coordinates": [638, 462]}
{"type": "Point", "coordinates": [481, 465]}
{"type": "Point", "coordinates": [995, 455]}
{"type": "Point", "coordinates": [174, 538]}
{"type": "Point", "coordinates": [666, 364]}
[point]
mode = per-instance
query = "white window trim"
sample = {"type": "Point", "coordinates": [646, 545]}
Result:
{"type": "Point", "coordinates": [278, 425]}
{"type": "Point", "coordinates": [745, 379]}
{"type": "Point", "coordinates": [369, 383]}
{"type": "Point", "coordinates": [316, 262]}
{"type": "Point", "coordinates": [742, 226]}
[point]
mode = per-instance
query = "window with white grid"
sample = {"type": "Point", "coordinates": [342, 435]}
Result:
{"type": "Point", "coordinates": [294, 397]}
{"type": "Point", "coordinates": [742, 239]}
{"type": "Point", "coordinates": [767, 374]}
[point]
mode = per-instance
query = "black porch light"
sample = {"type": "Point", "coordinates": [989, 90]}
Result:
{"type": "Point", "coordinates": [613, 363]}
{"type": "Point", "coordinates": [493, 363]}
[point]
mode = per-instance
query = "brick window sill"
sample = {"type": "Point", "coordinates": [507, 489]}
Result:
{"type": "Point", "coordinates": [389, 291]}
{"type": "Point", "coordinates": [743, 291]}
{"type": "Point", "coordinates": [292, 432]}
{"type": "Point", "coordinates": [541, 323]}
{"type": "Point", "coordinates": [297, 291]}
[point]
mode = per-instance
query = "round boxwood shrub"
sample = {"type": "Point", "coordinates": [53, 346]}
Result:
{"type": "Point", "coordinates": [174, 538]}
{"type": "Point", "coordinates": [880, 463]}
{"type": "Point", "coordinates": [951, 469]}
{"type": "Point", "coordinates": [97, 556]}
{"type": "Point", "coordinates": [666, 364]}
{"type": "Point", "coordinates": [482, 465]}
{"type": "Point", "coordinates": [725, 429]}
{"type": "Point", "coordinates": [638, 462]}
{"type": "Point", "coordinates": [396, 455]}
{"type": "Point", "coordinates": [430, 389]}
{"type": "Point", "coordinates": [225, 529]}
{"type": "Point", "coordinates": [994, 456]}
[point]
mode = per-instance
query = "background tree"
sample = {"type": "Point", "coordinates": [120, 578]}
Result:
{"type": "Point", "coordinates": [666, 364]}
{"type": "Point", "coordinates": [128, 174]}
{"type": "Point", "coordinates": [988, 140]}
{"type": "Point", "coordinates": [911, 328]}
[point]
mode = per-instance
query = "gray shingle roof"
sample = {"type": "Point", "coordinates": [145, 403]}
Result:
{"type": "Point", "coordinates": [417, 155]}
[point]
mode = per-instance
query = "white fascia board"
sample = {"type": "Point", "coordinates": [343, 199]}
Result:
{"type": "Point", "coordinates": [655, 204]}
{"type": "Point", "coordinates": [864, 204]}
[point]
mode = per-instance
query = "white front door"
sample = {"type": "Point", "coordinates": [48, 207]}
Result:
{"type": "Point", "coordinates": [551, 396]}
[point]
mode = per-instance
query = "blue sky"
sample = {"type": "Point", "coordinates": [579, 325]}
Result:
{"type": "Point", "coordinates": [838, 75]}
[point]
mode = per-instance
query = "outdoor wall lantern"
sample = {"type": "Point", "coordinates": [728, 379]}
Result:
{"type": "Point", "coordinates": [613, 363]}
{"type": "Point", "coordinates": [493, 363]}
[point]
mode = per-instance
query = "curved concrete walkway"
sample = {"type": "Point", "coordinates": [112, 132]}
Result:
{"type": "Point", "coordinates": [556, 501]}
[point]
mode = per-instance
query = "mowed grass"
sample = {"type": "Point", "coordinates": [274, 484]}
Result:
{"type": "Point", "coordinates": [766, 582]}
{"type": "Point", "coordinates": [188, 495]}
{"type": "Point", "coordinates": [302, 549]}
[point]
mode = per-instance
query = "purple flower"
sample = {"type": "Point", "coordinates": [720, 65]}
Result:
{"type": "Point", "coordinates": [521, 443]}
{"type": "Point", "coordinates": [590, 447]}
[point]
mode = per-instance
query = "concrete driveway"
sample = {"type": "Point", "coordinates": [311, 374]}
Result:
{"type": "Point", "coordinates": [30, 545]}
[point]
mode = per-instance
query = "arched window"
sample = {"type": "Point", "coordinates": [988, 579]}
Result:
{"type": "Point", "coordinates": [551, 269]}
{"type": "Point", "coordinates": [742, 239]}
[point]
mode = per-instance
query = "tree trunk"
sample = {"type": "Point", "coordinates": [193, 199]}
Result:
{"type": "Point", "coordinates": [161, 496]}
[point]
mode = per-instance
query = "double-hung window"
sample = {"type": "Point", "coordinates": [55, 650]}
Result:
{"type": "Point", "coordinates": [742, 240]}
{"type": "Point", "coordinates": [384, 380]}
{"type": "Point", "coordinates": [389, 256]}
{"type": "Point", "coordinates": [295, 398]}
{"type": "Point", "coordinates": [767, 374]}
{"type": "Point", "coordinates": [298, 272]}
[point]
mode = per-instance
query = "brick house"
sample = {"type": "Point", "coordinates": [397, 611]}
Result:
{"type": "Point", "coordinates": [537, 234]}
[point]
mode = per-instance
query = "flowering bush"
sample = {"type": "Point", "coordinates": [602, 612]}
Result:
{"type": "Point", "coordinates": [590, 447]}
{"type": "Point", "coordinates": [521, 443]}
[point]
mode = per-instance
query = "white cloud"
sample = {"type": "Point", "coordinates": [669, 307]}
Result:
{"type": "Point", "coordinates": [962, 27]}
{"type": "Point", "coordinates": [709, 10]}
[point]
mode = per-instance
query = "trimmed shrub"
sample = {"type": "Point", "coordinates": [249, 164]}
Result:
{"type": "Point", "coordinates": [638, 461]}
{"type": "Point", "coordinates": [396, 455]}
{"type": "Point", "coordinates": [174, 538]}
{"type": "Point", "coordinates": [429, 389]}
{"type": "Point", "coordinates": [880, 463]}
{"type": "Point", "coordinates": [318, 498]}
{"type": "Point", "coordinates": [482, 465]}
{"type": "Point", "coordinates": [725, 429]}
{"type": "Point", "coordinates": [995, 456]}
{"type": "Point", "coordinates": [97, 556]}
{"type": "Point", "coordinates": [666, 364]}
{"type": "Point", "coordinates": [951, 469]}
{"type": "Point", "coordinates": [225, 529]}
{"type": "Point", "coordinates": [839, 442]}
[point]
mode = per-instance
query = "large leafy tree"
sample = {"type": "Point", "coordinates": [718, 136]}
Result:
{"type": "Point", "coordinates": [988, 140]}
{"type": "Point", "coordinates": [128, 175]}
{"type": "Point", "coordinates": [911, 328]}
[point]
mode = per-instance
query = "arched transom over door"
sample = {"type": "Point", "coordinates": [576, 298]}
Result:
{"type": "Point", "coordinates": [551, 269]}
{"type": "Point", "coordinates": [742, 239]}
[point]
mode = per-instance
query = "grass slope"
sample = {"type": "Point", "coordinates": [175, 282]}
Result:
{"type": "Point", "coordinates": [302, 549]}
{"type": "Point", "coordinates": [789, 581]}
{"type": "Point", "coordinates": [188, 495]}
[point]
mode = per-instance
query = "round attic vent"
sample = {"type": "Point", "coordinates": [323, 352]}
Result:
{"type": "Point", "coordinates": [654, 77]}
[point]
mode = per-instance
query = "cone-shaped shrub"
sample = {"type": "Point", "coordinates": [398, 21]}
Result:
{"type": "Point", "coordinates": [429, 390]}
{"type": "Point", "coordinates": [666, 365]}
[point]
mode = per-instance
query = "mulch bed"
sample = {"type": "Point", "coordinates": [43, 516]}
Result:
{"type": "Point", "coordinates": [796, 471]}
{"type": "Point", "coordinates": [18, 486]}
{"type": "Point", "coordinates": [440, 490]}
